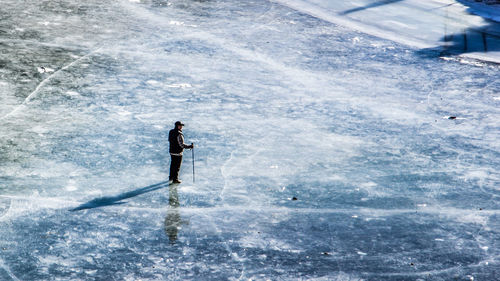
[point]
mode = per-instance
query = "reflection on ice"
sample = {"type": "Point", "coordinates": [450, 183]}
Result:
{"type": "Point", "coordinates": [173, 220]}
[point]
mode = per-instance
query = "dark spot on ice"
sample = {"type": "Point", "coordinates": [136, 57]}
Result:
{"type": "Point", "coordinates": [295, 199]}
{"type": "Point", "coordinates": [480, 209]}
{"type": "Point", "coordinates": [326, 253]}
{"type": "Point", "coordinates": [412, 264]}
{"type": "Point", "coordinates": [452, 117]}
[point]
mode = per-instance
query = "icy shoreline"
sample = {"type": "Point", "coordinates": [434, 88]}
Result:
{"type": "Point", "coordinates": [445, 25]}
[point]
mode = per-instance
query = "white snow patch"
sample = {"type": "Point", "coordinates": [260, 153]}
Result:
{"type": "Point", "coordinates": [447, 58]}
{"type": "Point", "coordinates": [72, 93]}
{"type": "Point", "coordinates": [39, 130]}
{"type": "Point", "coordinates": [473, 219]}
{"type": "Point", "coordinates": [71, 186]}
{"type": "Point", "coordinates": [152, 82]}
{"type": "Point", "coordinates": [368, 184]}
{"type": "Point", "coordinates": [174, 22]}
{"type": "Point", "coordinates": [472, 62]}
{"type": "Point", "coordinates": [478, 174]}
{"type": "Point", "coordinates": [180, 85]}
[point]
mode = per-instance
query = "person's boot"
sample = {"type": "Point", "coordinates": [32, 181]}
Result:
{"type": "Point", "coordinates": [176, 181]}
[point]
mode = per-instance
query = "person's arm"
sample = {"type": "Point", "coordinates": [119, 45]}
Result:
{"type": "Point", "coordinates": [180, 139]}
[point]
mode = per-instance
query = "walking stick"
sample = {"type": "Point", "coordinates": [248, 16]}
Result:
{"type": "Point", "coordinates": [192, 157]}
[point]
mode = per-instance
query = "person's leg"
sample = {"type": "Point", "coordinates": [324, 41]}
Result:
{"type": "Point", "coordinates": [172, 168]}
{"type": "Point", "coordinates": [177, 160]}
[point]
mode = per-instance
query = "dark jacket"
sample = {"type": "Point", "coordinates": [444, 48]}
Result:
{"type": "Point", "coordinates": [176, 139]}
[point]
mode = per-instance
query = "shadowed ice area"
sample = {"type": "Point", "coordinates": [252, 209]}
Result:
{"type": "Point", "coordinates": [321, 153]}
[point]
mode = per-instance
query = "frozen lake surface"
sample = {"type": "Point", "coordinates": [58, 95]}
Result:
{"type": "Point", "coordinates": [281, 105]}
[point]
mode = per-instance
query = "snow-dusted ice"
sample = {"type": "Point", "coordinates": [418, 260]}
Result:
{"type": "Point", "coordinates": [322, 153]}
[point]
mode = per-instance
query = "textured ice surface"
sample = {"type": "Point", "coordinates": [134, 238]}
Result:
{"type": "Point", "coordinates": [280, 105]}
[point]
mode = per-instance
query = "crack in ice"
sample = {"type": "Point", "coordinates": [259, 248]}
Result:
{"type": "Point", "coordinates": [44, 81]}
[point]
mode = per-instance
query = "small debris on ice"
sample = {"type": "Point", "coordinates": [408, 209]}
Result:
{"type": "Point", "coordinates": [294, 198]}
{"type": "Point", "coordinates": [325, 253]}
{"type": "Point", "coordinates": [452, 117]}
{"type": "Point", "coordinates": [43, 69]}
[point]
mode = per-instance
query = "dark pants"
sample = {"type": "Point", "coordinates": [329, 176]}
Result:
{"type": "Point", "coordinates": [175, 167]}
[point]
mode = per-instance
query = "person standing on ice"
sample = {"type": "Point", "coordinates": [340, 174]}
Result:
{"type": "Point", "coordinates": [177, 146]}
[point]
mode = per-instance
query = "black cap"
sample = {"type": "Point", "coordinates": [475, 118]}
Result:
{"type": "Point", "coordinates": [179, 123]}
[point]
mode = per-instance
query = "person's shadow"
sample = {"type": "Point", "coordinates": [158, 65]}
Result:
{"type": "Point", "coordinates": [173, 221]}
{"type": "Point", "coordinates": [117, 200]}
